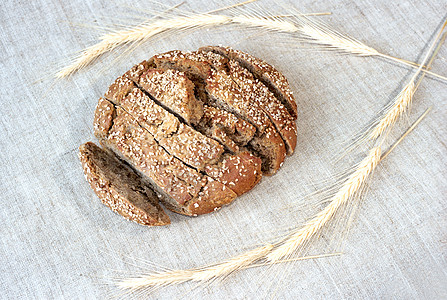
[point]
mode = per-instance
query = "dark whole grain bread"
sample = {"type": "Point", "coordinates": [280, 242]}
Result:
{"type": "Point", "coordinates": [120, 188]}
{"type": "Point", "coordinates": [225, 127]}
{"type": "Point", "coordinates": [195, 128]}
{"type": "Point", "coordinates": [173, 90]}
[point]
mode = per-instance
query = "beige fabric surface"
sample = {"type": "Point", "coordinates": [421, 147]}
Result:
{"type": "Point", "coordinates": [58, 241]}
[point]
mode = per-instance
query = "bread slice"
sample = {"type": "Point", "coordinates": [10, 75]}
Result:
{"type": "Point", "coordinates": [274, 109]}
{"type": "Point", "coordinates": [177, 138]}
{"type": "Point", "coordinates": [224, 93]}
{"type": "Point", "coordinates": [182, 188]}
{"type": "Point", "coordinates": [225, 127]}
{"type": "Point", "coordinates": [266, 73]}
{"type": "Point", "coordinates": [120, 188]}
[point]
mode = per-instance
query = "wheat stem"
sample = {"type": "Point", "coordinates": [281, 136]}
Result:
{"type": "Point", "coordinates": [347, 192]}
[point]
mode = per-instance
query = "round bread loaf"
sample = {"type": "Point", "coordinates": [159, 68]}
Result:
{"type": "Point", "coordinates": [197, 128]}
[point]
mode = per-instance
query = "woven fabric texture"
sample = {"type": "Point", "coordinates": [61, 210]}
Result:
{"type": "Point", "coordinates": [58, 241]}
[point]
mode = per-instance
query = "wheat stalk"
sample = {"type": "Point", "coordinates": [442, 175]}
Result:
{"type": "Point", "coordinates": [314, 32]}
{"type": "Point", "coordinates": [146, 31]}
{"type": "Point", "coordinates": [139, 34]}
{"type": "Point", "coordinates": [346, 193]}
{"type": "Point", "coordinates": [317, 33]}
{"type": "Point", "coordinates": [202, 275]}
{"type": "Point", "coordinates": [404, 99]}
{"type": "Point", "coordinates": [333, 40]}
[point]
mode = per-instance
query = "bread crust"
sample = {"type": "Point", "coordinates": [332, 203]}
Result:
{"type": "Point", "coordinates": [190, 146]}
{"type": "Point", "coordinates": [199, 128]}
{"type": "Point", "coordinates": [173, 90]}
{"type": "Point", "coordinates": [274, 109]}
{"type": "Point", "coordinates": [267, 142]}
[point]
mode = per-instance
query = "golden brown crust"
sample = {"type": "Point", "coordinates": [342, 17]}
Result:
{"type": "Point", "coordinates": [122, 192]}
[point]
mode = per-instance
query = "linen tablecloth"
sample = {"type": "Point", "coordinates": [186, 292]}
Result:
{"type": "Point", "coordinates": [58, 241]}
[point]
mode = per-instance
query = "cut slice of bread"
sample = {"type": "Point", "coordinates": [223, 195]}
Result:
{"type": "Point", "coordinates": [266, 73]}
{"type": "Point", "coordinates": [120, 188]}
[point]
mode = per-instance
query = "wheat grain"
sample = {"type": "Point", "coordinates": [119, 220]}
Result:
{"type": "Point", "coordinates": [147, 30]}
{"type": "Point", "coordinates": [273, 24]}
{"type": "Point", "coordinates": [331, 39]}
{"type": "Point", "coordinates": [202, 275]}
{"type": "Point", "coordinates": [394, 111]}
{"type": "Point", "coordinates": [311, 31]}
{"type": "Point", "coordinates": [347, 192]}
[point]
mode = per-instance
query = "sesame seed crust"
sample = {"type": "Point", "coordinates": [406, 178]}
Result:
{"type": "Point", "coordinates": [226, 93]}
{"type": "Point", "coordinates": [268, 74]}
{"type": "Point", "coordinates": [199, 128]}
{"type": "Point", "coordinates": [180, 140]}
{"type": "Point", "coordinates": [260, 94]}
{"type": "Point", "coordinates": [223, 93]}
{"type": "Point", "coordinates": [174, 90]}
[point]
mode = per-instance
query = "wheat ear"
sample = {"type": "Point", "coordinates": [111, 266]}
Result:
{"type": "Point", "coordinates": [346, 193]}
{"type": "Point", "coordinates": [138, 34]}
{"type": "Point", "coordinates": [394, 111]}
{"type": "Point", "coordinates": [317, 33]}
{"type": "Point", "coordinates": [202, 275]}
{"type": "Point", "coordinates": [403, 101]}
